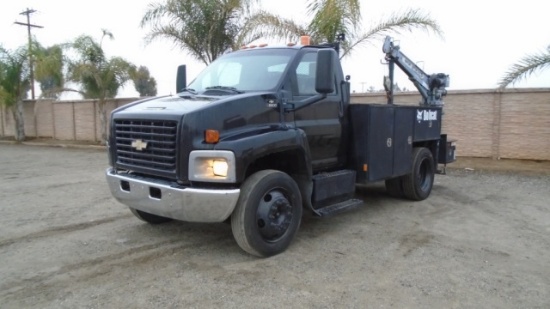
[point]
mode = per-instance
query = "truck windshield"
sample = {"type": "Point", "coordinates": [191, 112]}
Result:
{"type": "Point", "coordinates": [253, 70]}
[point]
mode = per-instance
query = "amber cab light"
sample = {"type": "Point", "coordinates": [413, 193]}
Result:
{"type": "Point", "coordinates": [211, 136]}
{"type": "Point", "coordinates": [305, 40]}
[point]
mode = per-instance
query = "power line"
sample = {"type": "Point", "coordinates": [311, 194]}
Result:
{"type": "Point", "coordinates": [28, 12]}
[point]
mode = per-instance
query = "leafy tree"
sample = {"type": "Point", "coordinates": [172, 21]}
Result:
{"type": "Point", "coordinates": [333, 17]}
{"type": "Point", "coordinates": [14, 85]}
{"type": "Point", "coordinates": [204, 28]}
{"type": "Point", "coordinates": [100, 77]}
{"type": "Point", "coordinates": [144, 83]}
{"type": "Point", "coordinates": [525, 67]}
{"type": "Point", "coordinates": [49, 70]}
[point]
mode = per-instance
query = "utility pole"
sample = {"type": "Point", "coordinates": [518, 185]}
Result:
{"type": "Point", "coordinates": [28, 12]}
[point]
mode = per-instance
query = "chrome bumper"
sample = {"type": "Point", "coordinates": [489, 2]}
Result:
{"type": "Point", "coordinates": [159, 198]}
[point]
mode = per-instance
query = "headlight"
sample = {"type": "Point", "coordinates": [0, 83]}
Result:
{"type": "Point", "coordinates": [220, 168]}
{"type": "Point", "coordinates": [212, 166]}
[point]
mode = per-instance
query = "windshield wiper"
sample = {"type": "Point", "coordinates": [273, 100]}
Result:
{"type": "Point", "coordinates": [225, 88]}
{"type": "Point", "coordinates": [189, 90]}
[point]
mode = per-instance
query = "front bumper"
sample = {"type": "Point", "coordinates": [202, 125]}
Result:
{"type": "Point", "coordinates": [160, 198]}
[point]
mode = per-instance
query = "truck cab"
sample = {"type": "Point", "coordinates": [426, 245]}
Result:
{"type": "Point", "coordinates": [259, 136]}
{"type": "Point", "coordinates": [285, 77]}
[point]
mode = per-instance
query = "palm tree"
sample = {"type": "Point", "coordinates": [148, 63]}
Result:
{"type": "Point", "coordinates": [333, 17]}
{"type": "Point", "coordinates": [204, 28]}
{"type": "Point", "coordinates": [100, 77]}
{"type": "Point", "coordinates": [14, 85]}
{"type": "Point", "coordinates": [49, 66]}
{"type": "Point", "coordinates": [525, 67]}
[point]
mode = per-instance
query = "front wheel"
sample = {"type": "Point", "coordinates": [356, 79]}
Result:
{"type": "Point", "coordinates": [418, 184]}
{"type": "Point", "coordinates": [268, 213]}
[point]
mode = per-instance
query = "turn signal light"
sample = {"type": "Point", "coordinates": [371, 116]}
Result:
{"type": "Point", "coordinates": [211, 136]}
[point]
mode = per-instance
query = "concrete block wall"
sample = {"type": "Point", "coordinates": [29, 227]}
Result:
{"type": "Point", "coordinates": [76, 120]}
{"type": "Point", "coordinates": [512, 123]}
{"type": "Point", "coordinates": [525, 126]}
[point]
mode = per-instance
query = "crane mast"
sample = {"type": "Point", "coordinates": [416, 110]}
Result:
{"type": "Point", "coordinates": [431, 87]}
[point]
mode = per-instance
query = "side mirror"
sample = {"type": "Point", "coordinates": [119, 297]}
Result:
{"type": "Point", "coordinates": [324, 81]}
{"type": "Point", "coordinates": [181, 78]}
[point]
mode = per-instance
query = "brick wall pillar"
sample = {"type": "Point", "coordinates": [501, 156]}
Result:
{"type": "Point", "coordinates": [497, 116]}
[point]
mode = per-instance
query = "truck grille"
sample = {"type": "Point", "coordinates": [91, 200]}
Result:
{"type": "Point", "coordinates": [149, 144]}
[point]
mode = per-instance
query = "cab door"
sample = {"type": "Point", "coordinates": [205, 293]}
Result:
{"type": "Point", "coordinates": [322, 121]}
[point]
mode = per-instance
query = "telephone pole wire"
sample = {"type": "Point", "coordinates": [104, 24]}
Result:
{"type": "Point", "coordinates": [28, 12]}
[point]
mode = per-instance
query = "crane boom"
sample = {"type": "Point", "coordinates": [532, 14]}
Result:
{"type": "Point", "coordinates": [431, 87]}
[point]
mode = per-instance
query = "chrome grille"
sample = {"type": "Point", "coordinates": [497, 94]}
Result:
{"type": "Point", "coordinates": [149, 144]}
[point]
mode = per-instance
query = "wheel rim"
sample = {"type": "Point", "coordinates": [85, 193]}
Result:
{"type": "Point", "coordinates": [274, 215]}
{"type": "Point", "coordinates": [425, 175]}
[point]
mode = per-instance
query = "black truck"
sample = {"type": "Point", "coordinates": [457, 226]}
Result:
{"type": "Point", "coordinates": [266, 133]}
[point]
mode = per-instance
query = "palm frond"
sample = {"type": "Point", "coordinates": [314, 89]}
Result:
{"type": "Point", "coordinates": [178, 37]}
{"type": "Point", "coordinates": [106, 33]}
{"type": "Point", "coordinates": [525, 67]}
{"type": "Point", "coordinates": [331, 17]}
{"type": "Point", "coordinates": [397, 23]}
{"type": "Point", "coordinates": [265, 24]}
{"type": "Point", "coordinates": [326, 8]}
{"type": "Point", "coordinates": [154, 12]}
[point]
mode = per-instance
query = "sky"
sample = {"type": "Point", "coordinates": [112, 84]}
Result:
{"type": "Point", "coordinates": [482, 39]}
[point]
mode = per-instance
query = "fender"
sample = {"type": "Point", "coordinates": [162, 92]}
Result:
{"type": "Point", "coordinates": [249, 148]}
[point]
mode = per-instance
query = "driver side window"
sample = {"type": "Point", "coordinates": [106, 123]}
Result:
{"type": "Point", "coordinates": [305, 75]}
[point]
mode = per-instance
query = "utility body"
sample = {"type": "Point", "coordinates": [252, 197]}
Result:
{"type": "Point", "coordinates": [264, 134]}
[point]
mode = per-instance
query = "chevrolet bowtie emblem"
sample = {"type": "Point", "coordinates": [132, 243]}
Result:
{"type": "Point", "coordinates": [139, 144]}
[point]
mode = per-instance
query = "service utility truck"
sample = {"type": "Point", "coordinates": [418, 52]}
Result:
{"type": "Point", "coordinates": [265, 133]}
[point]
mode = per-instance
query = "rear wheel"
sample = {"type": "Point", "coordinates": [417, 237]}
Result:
{"type": "Point", "coordinates": [418, 184]}
{"type": "Point", "coordinates": [268, 213]}
{"type": "Point", "coordinates": [149, 218]}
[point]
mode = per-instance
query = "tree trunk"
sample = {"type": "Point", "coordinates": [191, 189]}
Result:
{"type": "Point", "coordinates": [103, 121]}
{"type": "Point", "coordinates": [17, 112]}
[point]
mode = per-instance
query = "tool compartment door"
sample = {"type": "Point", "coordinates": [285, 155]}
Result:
{"type": "Point", "coordinates": [427, 126]}
{"type": "Point", "coordinates": [373, 141]}
{"type": "Point", "coordinates": [402, 140]}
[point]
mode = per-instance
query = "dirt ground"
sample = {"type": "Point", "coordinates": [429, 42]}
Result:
{"type": "Point", "coordinates": [480, 241]}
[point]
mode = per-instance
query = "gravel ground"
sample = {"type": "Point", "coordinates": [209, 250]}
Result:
{"type": "Point", "coordinates": [480, 241]}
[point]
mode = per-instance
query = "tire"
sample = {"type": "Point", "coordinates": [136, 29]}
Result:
{"type": "Point", "coordinates": [418, 184]}
{"type": "Point", "coordinates": [149, 218]}
{"type": "Point", "coordinates": [268, 213]}
{"type": "Point", "coordinates": [394, 187]}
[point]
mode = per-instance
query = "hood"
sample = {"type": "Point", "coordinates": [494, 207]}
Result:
{"type": "Point", "coordinates": [174, 105]}
{"type": "Point", "coordinates": [168, 105]}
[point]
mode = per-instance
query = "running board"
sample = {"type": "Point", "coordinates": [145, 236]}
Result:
{"type": "Point", "coordinates": [338, 207]}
